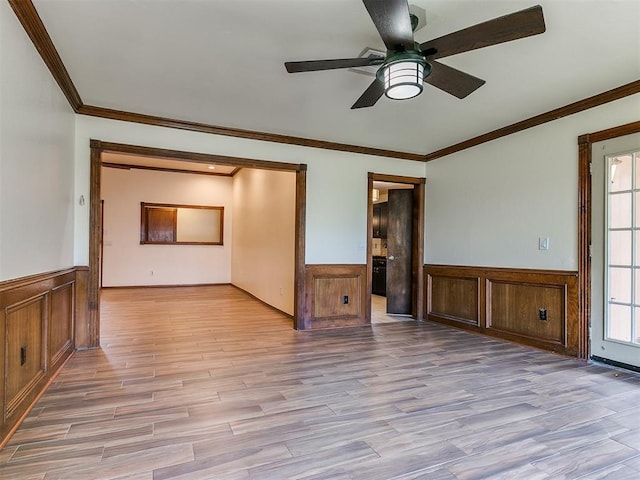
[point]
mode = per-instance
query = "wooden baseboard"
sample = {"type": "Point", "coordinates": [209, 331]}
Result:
{"type": "Point", "coordinates": [532, 307]}
{"type": "Point", "coordinates": [186, 285]}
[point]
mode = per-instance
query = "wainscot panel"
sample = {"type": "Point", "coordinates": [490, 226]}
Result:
{"type": "Point", "coordinates": [335, 296]}
{"type": "Point", "coordinates": [25, 361]}
{"type": "Point", "coordinates": [454, 298]}
{"type": "Point", "coordinates": [37, 321]}
{"type": "Point", "coordinates": [532, 307]}
{"type": "Point", "coordinates": [532, 310]}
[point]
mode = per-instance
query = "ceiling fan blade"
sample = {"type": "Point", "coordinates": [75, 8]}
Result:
{"type": "Point", "coordinates": [370, 96]}
{"type": "Point", "coordinates": [492, 32]}
{"type": "Point", "coordinates": [450, 80]}
{"type": "Point", "coordinates": [315, 65]}
{"type": "Point", "coordinates": [391, 18]}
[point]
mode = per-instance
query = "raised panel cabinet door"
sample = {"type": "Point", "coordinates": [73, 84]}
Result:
{"type": "Point", "coordinates": [399, 253]}
{"type": "Point", "coordinates": [376, 221]}
{"type": "Point", "coordinates": [384, 219]}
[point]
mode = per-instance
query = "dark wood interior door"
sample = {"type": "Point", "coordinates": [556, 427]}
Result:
{"type": "Point", "coordinates": [399, 261]}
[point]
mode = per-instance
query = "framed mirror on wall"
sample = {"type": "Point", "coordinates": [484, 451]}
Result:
{"type": "Point", "coordinates": [171, 224]}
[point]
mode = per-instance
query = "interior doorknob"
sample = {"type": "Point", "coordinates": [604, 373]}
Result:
{"type": "Point", "coordinates": [391, 257]}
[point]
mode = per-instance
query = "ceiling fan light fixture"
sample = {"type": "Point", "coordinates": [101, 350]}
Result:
{"type": "Point", "coordinates": [403, 75]}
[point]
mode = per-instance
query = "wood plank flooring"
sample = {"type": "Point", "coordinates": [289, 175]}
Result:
{"type": "Point", "coordinates": [379, 312]}
{"type": "Point", "coordinates": [207, 383]}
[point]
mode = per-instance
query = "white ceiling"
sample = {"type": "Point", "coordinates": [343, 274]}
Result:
{"type": "Point", "coordinates": [220, 62]}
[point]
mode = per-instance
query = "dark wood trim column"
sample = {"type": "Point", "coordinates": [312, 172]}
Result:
{"type": "Point", "coordinates": [369, 275]}
{"type": "Point", "coordinates": [418, 251]}
{"type": "Point", "coordinates": [584, 244]}
{"type": "Point", "coordinates": [299, 313]}
{"type": "Point", "coordinates": [95, 234]}
{"type": "Point", "coordinates": [82, 308]}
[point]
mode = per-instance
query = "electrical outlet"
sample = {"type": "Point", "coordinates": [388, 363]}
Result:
{"type": "Point", "coordinates": [345, 299]}
{"type": "Point", "coordinates": [542, 313]}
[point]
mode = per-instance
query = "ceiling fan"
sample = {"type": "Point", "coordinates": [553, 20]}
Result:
{"type": "Point", "coordinates": [407, 64]}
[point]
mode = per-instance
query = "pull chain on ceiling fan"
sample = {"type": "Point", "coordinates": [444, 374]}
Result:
{"type": "Point", "coordinates": [408, 64]}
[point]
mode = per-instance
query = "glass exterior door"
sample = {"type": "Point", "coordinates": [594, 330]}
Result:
{"type": "Point", "coordinates": [615, 317]}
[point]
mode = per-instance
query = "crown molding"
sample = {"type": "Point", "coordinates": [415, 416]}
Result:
{"type": "Point", "coordinates": [207, 158]}
{"type": "Point", "coordinates": [32, 24]}
{"type": "Point", "coordinates": [239, 133]}
{"type": "Point", "coordinates": [575, 107]}
{"type": "Point", "coordinates": [35, 29]}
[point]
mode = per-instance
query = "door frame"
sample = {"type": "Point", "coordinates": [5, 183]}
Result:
{"type": "Point", "coordinates": [417, 241]}
{"type": "Point", "coordinates": [585, 143]}
{"type": "Point", "coordinates": [97, 147]}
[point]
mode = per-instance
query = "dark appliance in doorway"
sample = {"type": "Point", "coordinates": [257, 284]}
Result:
{"type": "Point", "coordinates": [379, 280]}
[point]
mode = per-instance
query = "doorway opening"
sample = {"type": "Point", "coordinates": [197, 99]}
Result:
{"type": "Point", "coordinates": [96, 221]}
{"type": "Point", "coordinates": [395, 248]}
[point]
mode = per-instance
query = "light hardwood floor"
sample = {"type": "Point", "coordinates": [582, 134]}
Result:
{"type": "Point", "coordinates": [207, 383]}
{"type": "Point", "coordinates": [379, 311]}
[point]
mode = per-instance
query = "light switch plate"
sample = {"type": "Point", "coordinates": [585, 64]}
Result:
{"type": "Point", "coordinates": [543, 243]}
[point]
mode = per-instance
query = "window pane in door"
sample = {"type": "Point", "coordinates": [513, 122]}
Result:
{"type": "Point", "coordinates": [620, 173]}
{"type": "Point", "coordinates": [620, 210]}
{"type": "Point", "coordinates": [620, 285]}
{"type": "Point", "coordinates": [620, 322]}
{"type": "Point", "coordinates": [620, 247]}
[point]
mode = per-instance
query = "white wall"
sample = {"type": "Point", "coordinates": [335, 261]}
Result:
{"type": "Point", "coordinates": [263, 248]}
{"type": "Point", "coordinates": [126, 262]}
{"type": "Point", "coordinates": [336, 230]}
{"type": "Point", "coordinates": [484, 206]}
{"type": "Point", "coordinates": [488, 205]}
{"type": "Point", "coordinates": [36, 160]}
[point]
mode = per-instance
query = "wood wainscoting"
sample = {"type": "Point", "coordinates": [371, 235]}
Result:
{"type": "Point", "coordinates": [532, 307]}
{"type": "Point", "coordinates": [326, 287]}
{"type": "Point", "coordinates": [37, 336]}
